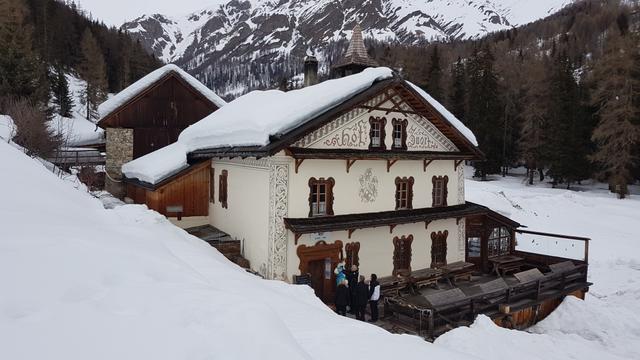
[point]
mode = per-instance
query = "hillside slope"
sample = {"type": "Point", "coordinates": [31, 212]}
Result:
{"type": "Point", "coordinates": [81, 282]}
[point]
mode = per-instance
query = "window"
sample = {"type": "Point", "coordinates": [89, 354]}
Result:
{"type": "Point", "coordinates": [402, 255]}
{"type": "Point", "coordinates": [222, 189]}
{"type": "Point", "coordinates": [439, 192]}
{"type": "Point", "coordinates": [399, 134]}
{"type": "Point", "coordinates": [377, 133]}
{"type": "Point", "coordinates": [439, 248]}
{"type": "Point", "coordinates": [321, 196]}
{"type": "Point", "coordinates": [212, 182]}
{"type": "Point", "coordinates": [499, 242]}
{"type": "Point", "coordinates": [473, 246]}
{"type": "Point", "coordinates": [404, 193]}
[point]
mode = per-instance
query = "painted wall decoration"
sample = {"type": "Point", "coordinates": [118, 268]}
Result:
{"type": "Point", "coordinates": [419, 138]}
{"type": "Point", "coordinates": [368, 186]}
{"type": "Point", "coordinates": [355, 135]}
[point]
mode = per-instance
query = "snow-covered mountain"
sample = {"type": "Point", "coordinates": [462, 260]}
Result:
{"type": "Point", "coordinates": [266, 32]}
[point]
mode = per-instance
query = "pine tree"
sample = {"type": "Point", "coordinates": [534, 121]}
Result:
{"type": "Point", "coordinates": [568, 127]}
{"type": "Point", "coordinates": [434, 75]}
{"type": "Point", "coordinates": [532, 141]}
{"type": "Point", "coordinates": [61, 96]}
{"type": "Point", "coordinates": [457, 96]}
{"type": "Point", "coordinates": [617, 134]}
{"type": "Point", "coordinates": [21, 73]}
{"type": "Point", "coordinates": [93, 71]}
{"type": "Point", "coordinates": [484, 110]}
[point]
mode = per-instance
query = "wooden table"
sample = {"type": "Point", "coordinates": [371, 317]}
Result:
{"type": "Point", "coordinates": [506, 264]}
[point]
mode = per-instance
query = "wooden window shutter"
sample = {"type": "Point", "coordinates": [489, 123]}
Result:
{"type": "Point", "coordinates": [410, 193]}
{"type": "Point", "coordinates": [402, 255]}
{"type": "Point", "coordinates": [222, 189]}
{"type": "Point", "coordinates": [352, 257]}
{"type": "Point", "coordinates": [439, 248]}
{"type": "Point", "coordinates": [212, 187]}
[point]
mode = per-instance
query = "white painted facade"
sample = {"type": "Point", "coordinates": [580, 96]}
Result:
{"type": "Point", "coordinates": [261, 193]}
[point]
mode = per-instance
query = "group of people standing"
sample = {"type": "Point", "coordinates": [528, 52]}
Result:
{"type": "Point", "coordinates": [354, 292]}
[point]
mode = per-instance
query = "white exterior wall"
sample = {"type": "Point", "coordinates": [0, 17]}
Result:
{"type": "Point", "coordinates": [376, 245]}
{"type": "Point", "coordinates": [247, 215]}
{"type": "Point", "coordinates": [350, 188]}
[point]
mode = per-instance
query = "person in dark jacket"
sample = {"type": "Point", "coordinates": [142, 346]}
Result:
{"type": "Point", "coordinates": [342, 298]}
{"type": "Point", "coordinates": [352, 277]}
{"type": "Point", "coordinates": [362, 298]}
{"type": "Point", "coordinates": [374, 296]}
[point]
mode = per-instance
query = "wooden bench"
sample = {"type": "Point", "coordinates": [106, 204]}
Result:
{"type": "Point", "coordinates": [529, 276]}
{"type": "Point", "coordinates": [458, 270]}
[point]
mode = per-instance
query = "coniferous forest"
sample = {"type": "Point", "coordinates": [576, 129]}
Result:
{"type": "Point", "coordinates": [560, 96]}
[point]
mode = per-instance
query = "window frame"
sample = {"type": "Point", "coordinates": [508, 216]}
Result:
{"type": "Point", "coordinates": [352, 257]}
{"type": "Point", "coordinates": [223, 182]}
{"type": "Point", "coordinates": [402, 254]}
{"type": "Point", "coordinates": [435, 181]}
{"type": "Point", "coordinates": [382, 123]}
{"type": "Point", "coordinates": [499, 244]}
{"type": "Point", "coordinates": [409, 193]}
{"type": "Point", "coordinates": [328, 203]}
{"type": "Point", "coordinates": [402, 123]}
{"type": "Point", "coordinates": [439, 249]}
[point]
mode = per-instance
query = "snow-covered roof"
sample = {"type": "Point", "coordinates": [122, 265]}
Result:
{"type": "Point", "coordinates": [465, 131]}
{"type": "Point", "coordinates": [139, 86]}
{"type": "Point", "coordinates": [252, 119]}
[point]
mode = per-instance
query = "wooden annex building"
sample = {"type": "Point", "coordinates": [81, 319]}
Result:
{"type": "Point", "coordinates": [149, 115]}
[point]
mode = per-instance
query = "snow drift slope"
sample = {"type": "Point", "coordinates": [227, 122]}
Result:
{"type": "Point", "coordinates": [81, 282]}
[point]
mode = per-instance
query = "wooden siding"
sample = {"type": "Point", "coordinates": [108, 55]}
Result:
{"type": "Point", "coordinates": [190, 190]}
{"type": "Point", "coordinates": [160, 113]}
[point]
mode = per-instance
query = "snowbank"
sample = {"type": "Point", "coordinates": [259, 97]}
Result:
{"type": "Point", "coordinates": [136, 88]}
{"type": "Point", "coordinates": [81, 282]}
{"type": "Point", "coordinates": [7, 128]}
{"type": "Point", "coordinates": [77, 131]}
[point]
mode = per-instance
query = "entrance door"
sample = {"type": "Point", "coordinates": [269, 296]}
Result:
{"type": "Point", "coordinates": [319, 261]}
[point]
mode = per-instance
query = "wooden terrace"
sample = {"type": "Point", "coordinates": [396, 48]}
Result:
{"type": "Point", "coordinates": [429, 302]}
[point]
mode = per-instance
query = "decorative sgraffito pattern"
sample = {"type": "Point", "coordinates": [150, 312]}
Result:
{"type": "Point", "coordinates": [318, 135]}
{"type": "Point", "coordinates": [368, 187]}
{"type": "Point", "coordinates": [461, 184]}
{"type": "Point", "coordinates": [461, 238]}
{"type": "Point", "coordinates": [428, 136]}
{"type": "Point", "coordinates": [355, 135]}
{"type": "Point", "coordinates": [278, 205]}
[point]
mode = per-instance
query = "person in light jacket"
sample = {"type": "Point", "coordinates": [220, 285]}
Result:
{"type": "Point", "coordinates": [374, 296]}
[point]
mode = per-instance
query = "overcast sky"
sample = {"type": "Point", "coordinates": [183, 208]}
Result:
{"type": "Point", "coordinates": [116, 12]}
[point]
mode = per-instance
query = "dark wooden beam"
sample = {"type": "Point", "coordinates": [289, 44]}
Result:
{"type": "Point", "coordinates": [350, 164]}
{"type": "Point", "coordinates": [298, 163]}
{"type": "Point", "coordinates": [296, 238]}
{"type": "Point", "coordinates": [456, 164]}
{"type": "Point", "coordinates": [350, 231]}
{"type": "Point", "coordinates": [425, 164]}
{"type": "Point", "coordinates": [426, 224]}
{"type": "Point", "coordinates": [390, 164]}
{"type": "Point", "coordinates": [391, 227]}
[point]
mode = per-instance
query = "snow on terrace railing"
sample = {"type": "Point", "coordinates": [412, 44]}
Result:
{"type": "Point", "coordinates": [562, 246]}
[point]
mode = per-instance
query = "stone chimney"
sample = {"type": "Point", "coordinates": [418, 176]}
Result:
{"type": "Point", "coordinates": [310, 69]}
